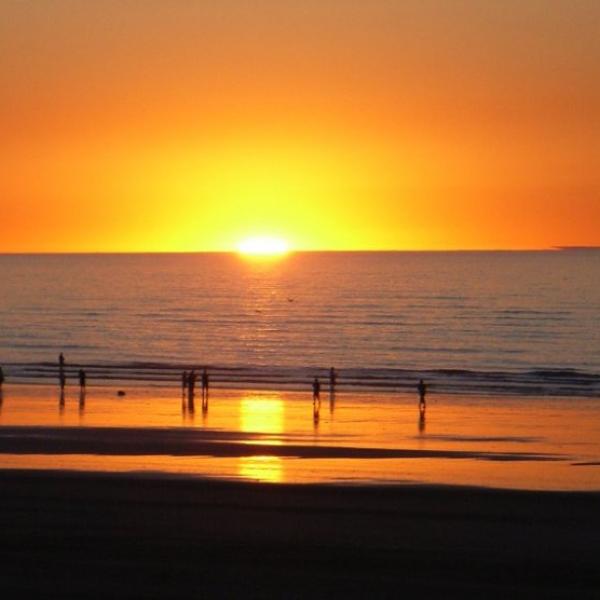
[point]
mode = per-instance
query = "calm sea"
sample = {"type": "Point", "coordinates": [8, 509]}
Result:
{"type": "Point", "coordinates": [513, 322]}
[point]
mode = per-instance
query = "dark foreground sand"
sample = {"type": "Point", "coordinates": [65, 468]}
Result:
{"type": "Point", "coordinates": [73, 535]}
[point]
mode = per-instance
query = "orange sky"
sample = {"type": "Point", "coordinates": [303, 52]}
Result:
{"type": "Point", "coordinates": [159, 126]}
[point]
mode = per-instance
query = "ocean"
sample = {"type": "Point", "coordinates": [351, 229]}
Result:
{"type": "Point", "coordinates": [525, 323]}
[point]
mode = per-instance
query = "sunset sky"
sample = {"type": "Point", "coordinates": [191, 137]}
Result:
{"type": "Point", "coordinates": [334, 124]}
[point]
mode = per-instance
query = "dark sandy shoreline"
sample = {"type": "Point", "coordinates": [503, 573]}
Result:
{"type": "Point", "coordinates": [94, 535]}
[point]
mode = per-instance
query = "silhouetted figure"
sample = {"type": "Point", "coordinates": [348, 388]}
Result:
{"type": "Point", "coordinates": [422, 389]}
{"type": "Point", "coordinates": [184, 382]}
{"type": "Point", "coordinates": [204, 379]}
{"type": "Point", "coordinates": [62, 379]}
{"type": "Point", "coordinates": [316, 390]}
{"type": "Point", "coordinates": [332, 380]}
{"type": "Point", "coordinates": [191, 391]}
{"type": "Point", "coordinates": [82, 380]}
{"type": "Point", "coordinates": [1, 377]}
{"type": "Point", "coordinates": [191, 384]}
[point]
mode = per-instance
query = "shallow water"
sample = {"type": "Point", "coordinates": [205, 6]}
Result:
{"type": "Point", "coordinates": [274, 437]}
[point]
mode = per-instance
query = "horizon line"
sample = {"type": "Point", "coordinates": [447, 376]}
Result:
{"type": "Point", "coordinates": [300, 251]}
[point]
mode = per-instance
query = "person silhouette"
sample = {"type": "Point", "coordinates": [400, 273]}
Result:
{"type": "Point", "coordinates": [1, 376]}
{"type": "Point", "coordinates": [62, 378]}
{"type": "Point", "coordinates": [332, 380]}
{"type": "Point", "coordinates": [82, 380]}
{"type": "Point", "coordinates": [191, 384]}
{"type": "Point", "coordinates": [184, 382]}
{"type": "Point", "coordinates": [422, 389]}
{"type": "Point", "coordinates": [204, 379]}
{"type": "Point", "coordinates": [316, 390]}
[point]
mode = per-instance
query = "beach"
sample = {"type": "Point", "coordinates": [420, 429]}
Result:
{"type": "Point", "coordinates": [83, 535]}
{"type": "Point", "coordinates": [139, 497]}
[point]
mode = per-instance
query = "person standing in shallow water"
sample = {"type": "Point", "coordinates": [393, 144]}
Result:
{"type": "Point", "coordinates": [422, 389]}
{"type": "Point", "coordinates": [82, 380]}
{"type": "Point", "coordinates": [62, 378]}
{"type": "Point", "coordinates": [191, 384]}
{"type": "Point", "coordinates": [332, 380]}
{"type": "Point", "coordinates": [184, 382]}
{"type": "Point", "coordinates": [204, 379]}
{"type": "Point", "coordinates": [316, 390]}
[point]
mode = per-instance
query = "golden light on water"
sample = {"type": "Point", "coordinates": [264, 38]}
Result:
{"type": "Point", "coordinates": [263, 246]}
{"type": "Point", "coordinates": [264, 415]}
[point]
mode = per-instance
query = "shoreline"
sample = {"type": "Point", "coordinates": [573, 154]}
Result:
{"type": "Point", "coordinates": [110, 535]}
{"type": "Point", "coordinates": [530, 382]}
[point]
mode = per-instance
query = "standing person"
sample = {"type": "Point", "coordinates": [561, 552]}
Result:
{"type": "Point", "coordinates": [62, 378]}
{"type": "Point", "coordinates": [316, 390]}
{"type": "Point", "coordinates": [422, 389]}
{"type": "Point", "coordinates": [191, 391]}
{"type": "Point", "coordinates": [82, 380]}
{"type": "Point", "coordinates": [191, 384]}
{"type": "Point", "coordinates": [184, 382]}
{"type": "Point", "coordinates": [204, 382]}
{"type": "Point", "coordinates": [332, 380]}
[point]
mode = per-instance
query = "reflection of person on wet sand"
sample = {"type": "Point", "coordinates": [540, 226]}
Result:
{"type": "Point", "coordinates": [422, 389]}
{"type": "Point", "coordinates": [422, 421]}
{"type": "Point", "coordinates": [184, 382]}
{"type": "Point", "coordinates": [316, 399]}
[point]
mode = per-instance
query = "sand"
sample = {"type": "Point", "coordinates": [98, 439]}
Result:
{"type": "Point", "coordinates": [84, 535]}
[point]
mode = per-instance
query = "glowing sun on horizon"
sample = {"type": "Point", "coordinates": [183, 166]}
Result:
{"type": "Point", "coordinates": [263, 246]}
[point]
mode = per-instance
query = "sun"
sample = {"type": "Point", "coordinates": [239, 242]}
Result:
{"type": "Point", "coordinates": [263, 246]}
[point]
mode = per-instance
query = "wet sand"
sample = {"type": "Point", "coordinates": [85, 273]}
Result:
{"type": "Point", "coordinates": [83, 535]}
{"type": "Point", "coordinates": [515, 443]}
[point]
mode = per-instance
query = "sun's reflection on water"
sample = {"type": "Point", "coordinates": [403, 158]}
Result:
{"type": "Point", "coordinates": [263, 415]}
